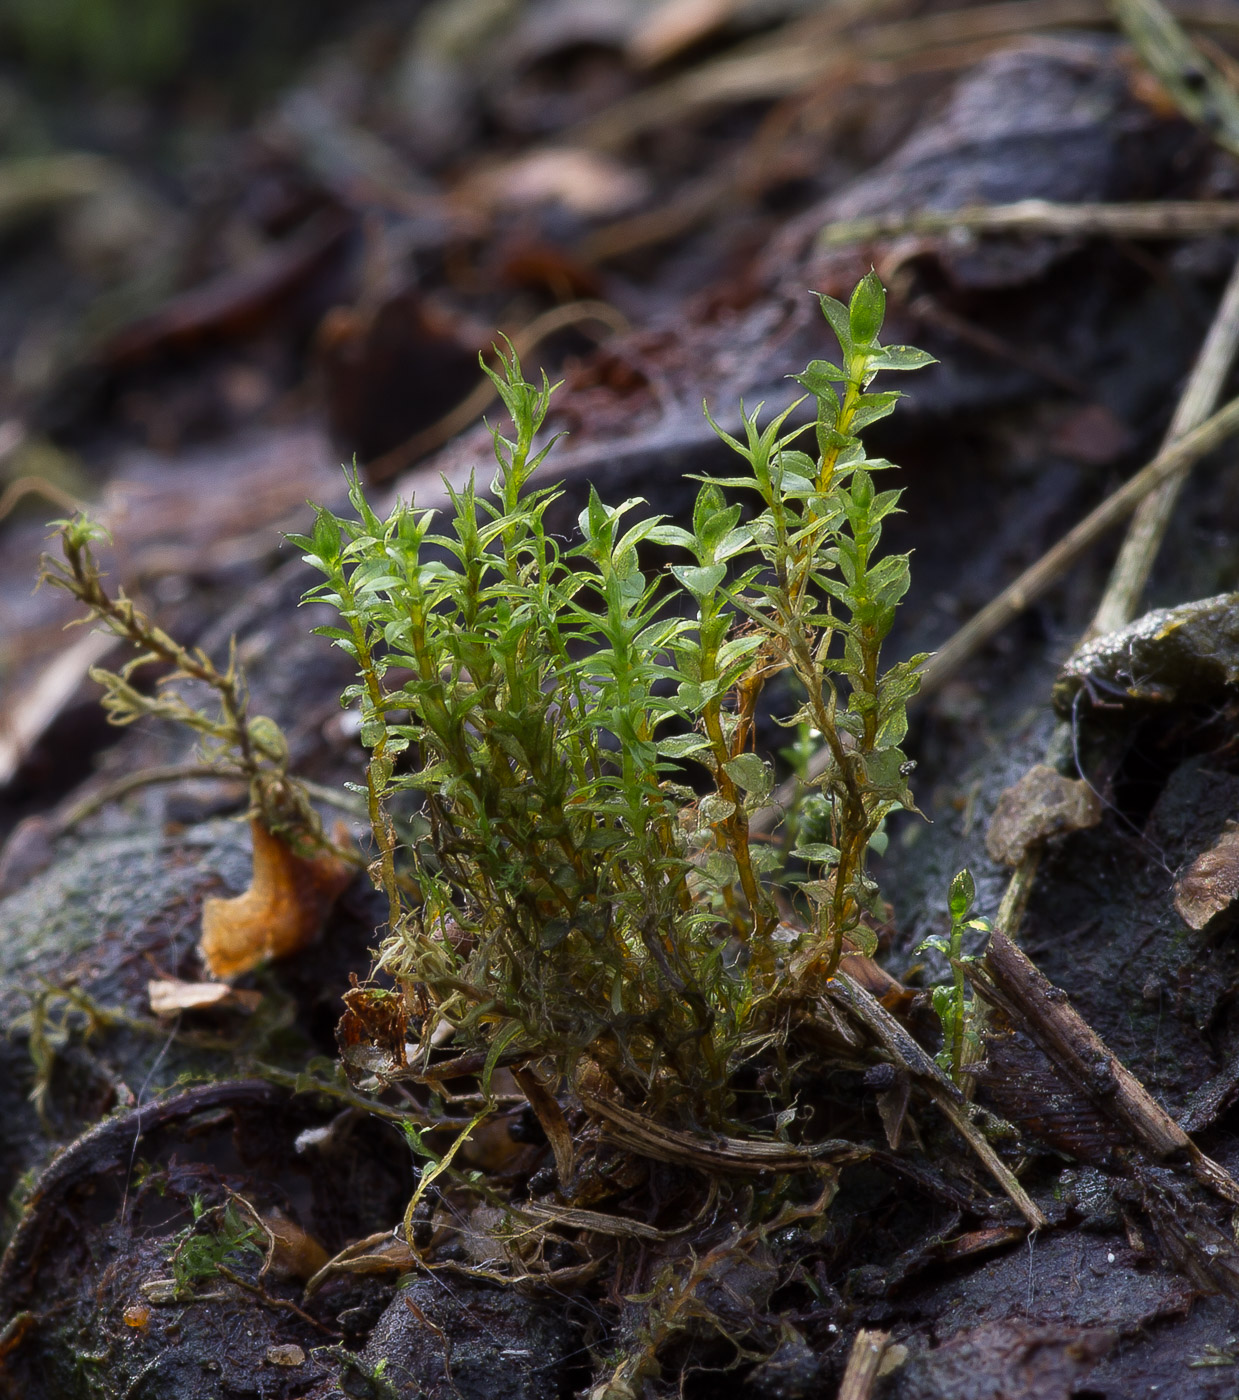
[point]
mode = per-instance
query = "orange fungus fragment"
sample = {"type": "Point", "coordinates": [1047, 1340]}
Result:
{"type": "Point", "coordinates": [137, 1315]}
{"type": "Point", "coordinates": [283, 910]}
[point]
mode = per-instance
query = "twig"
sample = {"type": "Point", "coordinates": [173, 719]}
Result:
{"type": "Point", "coordinates": [904, 1051]}
{"type": "Point", "coordinates": [558, 318]}
{"type": "Point", "coordinates": [180, 772]}
{"type": "Point", "coordinates": [743, 1156]}
{"type": "Point", "coordinates": [826, 46]}
{"type": "Point", "coordinates": [1171, 461]}
{"type": "Point", "coordinates": [284, 1304]}
{"type": "Point", "coordinates": [17, 491]}
{"type": "Point", "coordinates": [144, 777]}
{"type": "Point", "coordinates": [820, 49]}
{"type": "Point", "coordinates": [1009, 980]}
{"type": "Point", "coordinates": [1148, 527]}
{"type": "Point", "coordinates": [1183, 218]}
{"type": "Point", "coordinates": [863, 1362]}
{"type": "Point", "coordinates": [1197, 86]}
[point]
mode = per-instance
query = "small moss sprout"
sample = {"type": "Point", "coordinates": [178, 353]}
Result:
{"type": "Point", "coordinates": [577, 899]}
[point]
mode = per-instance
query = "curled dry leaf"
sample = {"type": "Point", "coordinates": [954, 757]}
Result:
{"type": "Point", "coordinates": [373, 1031]}
{"type": "Point", "coordinates": [293, 1253]}
{"type": "Point", "coordinates": [1043, 803]}
{"type": "Point", "coordinates": [168, 995]}
{"type": "Point", "coordinates": [282, 911]}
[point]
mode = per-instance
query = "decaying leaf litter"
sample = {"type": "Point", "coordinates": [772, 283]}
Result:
{"type": "Point", "coordinates": [388, 263]}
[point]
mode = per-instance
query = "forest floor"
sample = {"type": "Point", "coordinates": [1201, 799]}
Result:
{"type": "Point", "coordinates": [217, 284]}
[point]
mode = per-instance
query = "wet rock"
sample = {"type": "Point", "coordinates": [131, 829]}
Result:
{"type": "Point", "coordinates": [794, 1371]}
{"type": "Point", "coordinates": [1182, 655]}
{"type": "Point", "coordinates": [1189, 1358]}
{"type": "Point", "coordinates": [998, 1361]}
{"type": "Point", "coordinates": [1042, 804]}
{"type": "Point", "coordinates": [470, 1343]}
{"type": "Point", "coordinates": [1082, 1281]}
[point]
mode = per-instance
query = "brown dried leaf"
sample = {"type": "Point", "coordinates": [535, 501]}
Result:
{"type": "Point", "coordinates": [168, 995]}
{"type": "Point", "coordinates": [371, 1034]}
{"type": "Point", "coordinates": [1209, 885]}
{"type": "Point", "coordinates": [588, 183]}
{"type": "Point", "coordinates": [293, 1253]}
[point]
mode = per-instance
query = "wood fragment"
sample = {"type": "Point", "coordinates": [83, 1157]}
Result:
{"type": "Point", "coordinates": [617, 1226]}
{"type": "Point", "coordinates": [649, 1138]}
{"type": "Point", "coordinates": [863, 1362]}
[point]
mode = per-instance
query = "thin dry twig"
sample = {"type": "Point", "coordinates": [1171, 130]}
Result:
{"type": "Point", "coordinates": [73, 815]}
{"type": "Point", "coordinates": [1008, 979]}
{"type": "Point", "coordinates": [1182, 218]}
{"type": "Point", "coordinates": [1148, 527]}
{"type": "Point", "coordinates": [827, 46]}
{"type": "Point", "coordinates": [649, 1138]}
{"type": "Point", "coordinates": [268, 1300]}
{"type": "Point", "coordinates": [905, 1052]}
{"type": "Point", "coordinates": [1172, 461]}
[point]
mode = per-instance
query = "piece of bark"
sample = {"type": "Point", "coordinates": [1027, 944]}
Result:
{"type": "Point", "coordinates": [1042, 804]}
